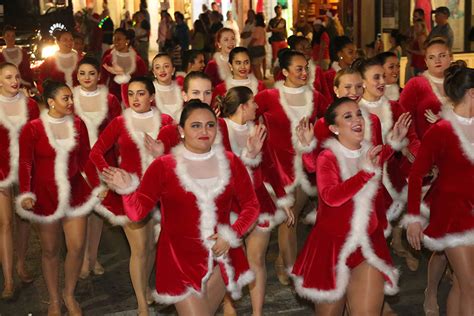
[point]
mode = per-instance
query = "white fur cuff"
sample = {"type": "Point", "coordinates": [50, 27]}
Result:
{"type": "Point", "coordinates": [229, 235]}
{"type": "Point", "coordinates": [20, 198]}
{"type": "Point", "coordinates": [306, 149]}
{"type": "Point", "coordinates": [286, 201]}
{"type": "Point", "coordinates": [396, 145]}
{"type": "Point", "coordinates": [409, 219]}
{"type": "Point", "coordinates": [250, 162]}
{"type": "Point", "coordinates": [371, 169]}
{"type": "Point", "coordinates": [121, 79]}
{"type": "Point", "coordinates": [132, 187]}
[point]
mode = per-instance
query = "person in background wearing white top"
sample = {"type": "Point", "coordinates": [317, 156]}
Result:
{"type": "Point", "coordinates": [246, 34]}
{"type": "Point", "coordinates": [232, 24]}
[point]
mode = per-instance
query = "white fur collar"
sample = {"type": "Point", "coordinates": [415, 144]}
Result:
{"type": "Point", "coordinates": [368, 125]}
{"type": "Point", "coordinates": [17, 60]}
{"type": "Point", "coordinates": [172, 110]}
{"type": "Point", "coordinates": [92, 122]}
{"type": "Point", "coordinates": [138, 138]}
{"type": "Point", "coordinates": [442, 99]}
{"type": "Point", "coordinates": [223, 67]}
{"type": "Point", "coordinates": [466, 147]}
{"type": "Point", "coordinates": [312, 73]}
{"type": "Point", "coordinates": [131, 55]}
{"type": "Point", "coordinates": [387, 116]}
{"type": "Point", "coordinates": [65, 145]}
{"type": "Point", "coordinates": [253, 85]}
{"type": "Point", "coordinates": [67, 71]}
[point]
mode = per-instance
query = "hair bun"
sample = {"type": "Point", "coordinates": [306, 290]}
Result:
{"type": "Point", "coordinates": [455, 68]}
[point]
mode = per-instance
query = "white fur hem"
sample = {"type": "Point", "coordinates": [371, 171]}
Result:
{"type": "Point", "coordinates": [250, 162]}
{"type": "Point", "coordinates": [122, 79]}
{"type": "Point", "coordinates": [409, 219]}
{"type": "Point", "coordinates": [167, 299]}
{"type": "Point", "coordinates": [310, 219]}
{"type": "Point", "coordinates": [397, 145]}
{"type": "Point", "coordinates": [113, 219]}
{"type": "Point", "coordinates": [286, 201]}
{"type": "Point", "coordinates": [86, 207]}
{"type": "Point", "coordinates": [273, 220]}
{"type": "Point", "coordinates": [371, 169]}
{"type": "Point", "coordinates": [229, 235]}
{"type": "Point", "coordinates": [306, 149]}
{"type": "Point", "coordinates": [132, 187]}
{"type": "Point", "coordinates": [30, 215]}
{"type": "Point", "coordinates": [245, 278]}
{"type": "Point", "coordinates": [449, 241]}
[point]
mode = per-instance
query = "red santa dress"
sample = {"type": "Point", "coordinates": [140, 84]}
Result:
{"type": "Point", "coordinates": [19, 57]}
{"type": "Point", "coordinates": [169, 99]}
{"type": "Point", "coordinates": [251, 82]}
{"type": "Point", "coordinates": [218, 69]}
{"type": "Point", "coordinates": [60, 67]}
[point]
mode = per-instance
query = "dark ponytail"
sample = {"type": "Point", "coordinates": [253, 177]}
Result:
{"type": "Point", "coordinates": [362, 65]}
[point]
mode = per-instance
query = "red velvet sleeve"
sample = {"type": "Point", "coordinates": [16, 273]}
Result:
{"type": "Point", "coordinates": [107, 139]}
{"type": "Point", "coordinates": [28, 138]}
{"type": "Point", "coordinates": [84, 145]}
{"type": "Point", "coordinates": [220, 90]}
{"type": "Point", "coordinates": [33, 110]}
{"type": "Point", "coordinates": [268, 169]}
{"type": "Point", "coordinates": [409, 98]}
{"type": "Point", "coordinates": [320, 102]}
{"type": "Point", "coordinates": [245, 197]}
{"type": "Point", "coordinates": [212, 72]}
{"type": "Point", "coordinates": [332, 190]}
{"type": "Point", "coordinates": [261, 86]}
{"type": "Point", "coordinates": [421, 167]}
{"type": "Point", "coordinates": [261, 99]}
{"type": "Point", "coordinates": [141, 69]}
{"type": "Point", "coordinates": [323, 85]}
{"type": "Point", "coordinates": [329, 76]}
{"type": "Point", "coordinates": [170, 137]}
{"type": "Point", "coordinates": [138, 204]}
{"type": "Point", "coordinates": [115, 109]}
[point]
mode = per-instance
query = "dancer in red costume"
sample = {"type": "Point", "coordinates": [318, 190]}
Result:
{"type": "Point", "coordinates": [17, 56]}
{"type": "Point", "coordinates": [240, 65]}
{"type": "Point", "coordinates": [96, 107]}
{"type": "Point", "coordinates": [15, 111]}
{"type": "Point", "coordinates": [54, 150]}
{"type": "Point", "coordinates": [345, 259]}
{"type": "Point", "coordinates": [391, 67]}
{"type": "Point", "coordinates": [61, 66]}
{"type": "Point", "coordinates": [168, 97]}
{"type": "Point", "coordinates": [283, 108]}
{"type": "Point", "coordinates": [122, 56]}
{"type": "Point", "coordinates": [448, 145]}
{"type": "Point", "coordinates": [199, 181]}
{"type": "Point", "coordinates": [247, 140]}
{"type": "Point", "coordinates": [218, 67]}
{"type": "Point", "coordinates": [135, 134]}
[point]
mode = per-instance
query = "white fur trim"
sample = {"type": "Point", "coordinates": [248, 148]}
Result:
{"type": "Point", "coordinates": [386, 118]}
{"type": "Point", "coordinates": [357, 237]}
{"type": "Point", "coordinates": [138, 137]}
{"type": "Point", "coordinates": [14, 130]}
{"type": "Point", "coordinates": [368, 125]}
{"type": "Point", "coordinates": [310, 218]}
{"type": "Point", "coordinates": [92, 122]}
{"type": "Point", "coordinates": [398, 204]}
{"type": "Point", "coordinates": [16, 61]}
{"type": "Point", "coordinates": [111, 217]}
{"type": "Point", "coordinates": [387, 231]}
{"type": "Point", "coordinates": [312, 73]}
{"type": "Point", "coordinates": [229, 235]}
{"type": "Point", "coordinates": [424, 210]}
{"type": "Point", "coordinates": [306, 149]}
{"type": "Point", "coordinates": [286, 201]}
{"type": "Point", "coordinates": [223, 67]}
{"type": "Point", "coordinates": [164, 107]}
{"type": "Point", "coordinates": [466, 147]}
{"type": "Point", "coordinates": [300, 175]}
{"type": "Point", "coordinates": [396, 145]}
{"type": "Point", "coordinates": [67, 71]}
{"type": "Point", "coordinates": [133, 62]}
{"type": "Point", "coordinates": [132, 187]}
{"type": "Point", "coordinates": [250, 162]}
{"type": "Point", "coordinates": [442, 99]}
{"type": "Point", "coordinates": [449, 241]}
{"type": "Point", "coordinates": [410, 219]}
{"type": "Point", "coordinates": [166, 299]}
{"type": "Point", "coordinates": [86, 207]}
{"type": "Point", "coordinates": [253, 83]}
{"type": "Point", "coordinates": [122, 79]}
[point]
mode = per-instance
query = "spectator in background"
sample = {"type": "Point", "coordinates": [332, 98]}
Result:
{"type": "Point", "coordinates": [181, 32]}
{"type": "Point", "coordinates": [423, 8]}
{"type": "Point", "coordinates": [79, 44]}
{"type": "Point", "coordinates": [303, 28]}
{"type": "Point", "coordinates": [216, 8]}
{"type": "Point", "coordinates": [257, 47]}
{"type": "Point", "coordinates": [246, 34]}
{"type": "Point", "coordinates": [415, 48]}
{"type": "Point", "coordinates": [216, 25]}
{"type": "Point", "coordinates": [107, 26]}
{"type": "Point", "coordinates": [198, 38]}
{"type": "Point", "coordinates": [277, 26]}
{"type": "Point", "coordinates": [164, 31]}
{"type": "Point", "coordinates": [126, 23]}
{"type": "Point", "coordinates": [232, 24]}
{"type": "Point", "coordinates": [442, 28]}
{"type": "Point", "coordinates": [396, 40]}
{"type": "Point", "coordinates": [142, 36]}
{"type": "Point", "coordinates": [144, 10]}
{"type": "Point", "coordinates": [320, 45]}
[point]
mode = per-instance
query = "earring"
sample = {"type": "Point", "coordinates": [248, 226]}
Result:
{"type": "Point", "coordinates": [52, 106]}
{"type": "Point", "coordinates": [340, 57]}
{"type": "Point", "coordinates": [364, 86]}
{"type": "Point", "coordinates": [336, 133]}
{"type": "Point", "coordinates": [182, 136]}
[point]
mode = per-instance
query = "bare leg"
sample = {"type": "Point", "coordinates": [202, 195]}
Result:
{"type": "Point", "coordinates": [75, 235]}
{"type": "Point", "coordinates": [330, 309]}
{"type": "Point", "coordinates": [94, 232]}
{"type": "Point", "coordinates": [436, 267]}
{"type": "Point", "coordinates": [454, 298]}
{"type": "Point", "coordinates": [215, 289]}
{"type": "Point", "coordinates": [193, 306]}
{"type": "Point", "coordinates": [228, 306]}
{"type": "Point", "coordinates": [23, 229]}
{"type": "Point", "coordinates": [49, 235]}
{"type": "Point", "coordinates": [257, 71]}
{"type": "Point", "coordinates": [264, 67]}
{"type": "Point", "coordinates": [401, 251]}
{"type": "Point", "coordinates": [150, 262]}
{"type": "Point", "coordinates": [6, 241]}
{"type": "Point", "coordinates": [138, 235]}
{"type": "Point", "coordinates": [462, 260]}
{"type": "Point", "coordinates": [365, 293]}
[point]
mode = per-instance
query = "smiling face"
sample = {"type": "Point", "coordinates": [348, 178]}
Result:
{"type": "Point", "coordinates": [139, 97]}
{"type": "Point", "coordinates": [199, 131]}
{"type": "Point", "coordinates": [9, 81]}
{"type": "Point", "coordinates": [199, 88]}
{"type": "Point", "coordinates": [250, 108]}
{"type": "Point", "coordinates": [392, 70]}
{"type": "Point", "coordinates": [438, 58]}
{"type": "Point", "coordinates": [349, 125]}
{"type": "Point", "coordinates": [240, 66]}
{"type": "Point", "coordinates": [62, 104]}
{"type": "Point", "coordinates": [347, 55]}
{"type": "Point", "coordinates": [120, 42]}
{"type": "Point", "coordinates": [374, 83]}
{"type": "Point", "coordinates": [88, 77]}
{"type": "Point", "coordinates": [65, 43]}
{"type": "Point", "coordinates": [226, 42]}
{"type": "Point", "coordinates": [297, 72]}
{"type": "Point", "coordinates": [163, 70]}
{"type": "Point", "coordinates": [9, 38]}
{"type": "Point", "coordinates": [197, 64]}
{"type": "Point", "coordinates": [351, 86]}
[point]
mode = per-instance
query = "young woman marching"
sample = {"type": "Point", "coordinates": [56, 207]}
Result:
{"type": "Point", "coordinates": [96, 107]}
{"type": "Point", "coordinates": [15, 111]}
{"type": "Point", "coordinates": [448, 145]}
{"type": "Point", "coordinates": [247, 140]}
{"type": "Point", "coordinates": [199, 181]}
{"type": "Point", "coordinates": [391, 67]}
{"type": "Point", "coordinates": [135, 133]}
{"type": "Point", "coordinates": [218, 67]}
{"type": "Point", "coordinates": [54, 150]}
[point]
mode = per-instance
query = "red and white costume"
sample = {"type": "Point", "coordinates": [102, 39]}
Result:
{"type": "Point", "coordinates": [201, 188]}
{"type": "Point", "coordinates": [419, 95]}
{"type": "Point", "coordinates": [132, 65]}
{"type": "Point", "coordinates": [448, 145]}
{"type": "Point", "coordinates": [124, 133]}
{"type": "Point", "coordinates": [169, 100]}
{"type": "Point", "coordinates": [60, 67]}
{"type": "Point", "coordinates": [392, 92]}
{"type": "Point", "coordinates": [234, 139]}
{"type": "Point", "coordinates": [218, 69]}
{"type": "Point", "coordinates": [251, 82]}
{"type": "Point", "coordinates": [282, 119]}
{"type": "Point", "coordinates": [15, 112]}
{"type": "Point", "coordinates": [19, 57]}
{"type": "Point", "coordinates": [50, 169]}
{"type": "Point", "coordinates": [347, 231]}
{"type": "Point", "coordinates": [329, 76]}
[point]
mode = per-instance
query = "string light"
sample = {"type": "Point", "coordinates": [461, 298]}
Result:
{"type": "Point", "coordinates": [101, 23]}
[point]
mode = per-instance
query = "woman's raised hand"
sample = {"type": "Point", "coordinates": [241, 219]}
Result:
{"type": "Point", "coordinates": [305, 131]}
{"type": "Point", "coordinates": [431, 117]}
{"type": "Point", "coordinates": [153, 146]}
{"type": "Point", "coordinates": [221, 247]}
{"type": "Point", "coordinates": [116, 178]}
{"type": "Point", "coordinates": [114, 69]}
{"type": "Point", "coordinates": [400, 129]}
{"type": "Point", "coordinates": [373, 156]}
{"type": "Point", "coordinates": [256, 140]}
{"type": "Point", "coordinates": [415, 235]}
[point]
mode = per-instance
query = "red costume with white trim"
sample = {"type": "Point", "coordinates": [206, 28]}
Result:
{"type": "Point", "coordinates": [255, 85]}
{"type": "Point", "coordinates": [329, 76]}
{"type": "Point", "coordinates": [282, 138]}
{"type": "Point", "coordinates": [169, 99]}
{"type": "Point", "coordinates": [52, 68]}
{"type": "Point", "coordinates": [207, 211]}
{"type": "Point", "coordinates": [419, 95]}
{"type": "Point", "coordinates": [449, 146]}
{"type": "Point", "coordinates": [9, 137]}
{"type": "Point", "coordinates": [50, 171]}
{"type": "Point", "coordinates": [19, 57]}
{"type": "Point", "coordinates": [218, 69]}
{"type": "Point", "coordinates": [135, 67]}
{"type": "Point", "coordinates": [347, 230]}
{"type": "Point", "coordinates": [134, 157]}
